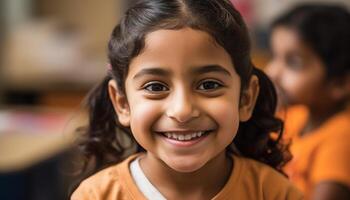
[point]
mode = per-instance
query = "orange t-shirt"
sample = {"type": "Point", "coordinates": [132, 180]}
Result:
{"type": "Point", "coordinates": [321, 155]}
{"type": "Point", "coordinates": [249, 180]}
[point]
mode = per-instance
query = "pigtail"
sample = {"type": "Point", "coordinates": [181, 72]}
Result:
{"type": "Point", "coordinates": [260, 137]}
{"type": "Point", "coordinates": [104, 141]}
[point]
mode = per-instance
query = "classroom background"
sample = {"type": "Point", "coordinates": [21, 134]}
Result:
{"type": "Point", "coordinates": [51, 54]}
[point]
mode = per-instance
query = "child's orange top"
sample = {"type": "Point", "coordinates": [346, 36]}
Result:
{"type": "Point", "coordinates": [249, 180]}
{"type": "Point", "coordinates": [321, 155]}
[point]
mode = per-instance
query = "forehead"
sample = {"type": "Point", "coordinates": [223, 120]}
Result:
{"type": "Point", "coordinates": [182, 50]}
{"type": "Point", "coordinates": [185, 38]}
{"type": "Point", "coordinates": [286, 40]}
{"type": "Point", "coordinates": [285, 37]}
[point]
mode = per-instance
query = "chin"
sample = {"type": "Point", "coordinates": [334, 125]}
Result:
{"type": "Point", "coordinates": [185, 165]}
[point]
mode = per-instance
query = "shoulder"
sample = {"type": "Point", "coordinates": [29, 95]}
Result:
{"type": "Point", "coordinates": [331, 161]}
{"type": "Point", "coordinates": [105, 184]}
{"type": "Point", "coordinates": [98, 184]}
{"type": "Point", "coordinates": [266, 181]}
{"type": "Point", "coordinates": [334, 137]}
{"type": "Point", "coordinates": [260, 170]}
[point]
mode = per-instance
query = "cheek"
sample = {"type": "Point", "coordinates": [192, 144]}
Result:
{"type": "Point", "coordinates": [292, 84]}
{"type": "Point", "coordinates": [302, 87]}
{"type": "Point", "coordinates": [297, 84]}
{"type": "Point", "coordinates": [225, 112]}
{"type": "Point", "coordinates": [143, 114]}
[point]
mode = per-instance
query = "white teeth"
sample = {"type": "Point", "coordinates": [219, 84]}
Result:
{"type": "Point", "coordinates": [182, 137]}
{"type": "Point", "coordinates": [188, 137]}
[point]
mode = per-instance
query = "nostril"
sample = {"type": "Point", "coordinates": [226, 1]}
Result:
{"type": "Point", "coordinates": [182, 106]}
{"type": "Point", "coordinates": [183, 116]}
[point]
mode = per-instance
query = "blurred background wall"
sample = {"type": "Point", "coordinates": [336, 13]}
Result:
{"type": "Point", "coordinates": [51, 54]}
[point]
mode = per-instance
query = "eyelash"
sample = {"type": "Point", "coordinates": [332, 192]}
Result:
{"type": "Point", "coordinates": [165, 88]}
{"type": "Point", "coordinates": [155, 83]}
{"type": "Point", "coordinates": [295, 63]}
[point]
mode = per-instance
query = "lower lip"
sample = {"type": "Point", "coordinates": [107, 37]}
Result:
{"type": "Point", "coordinates": [188, 143]}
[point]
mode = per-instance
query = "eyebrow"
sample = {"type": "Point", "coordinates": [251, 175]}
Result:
{"type": "Point", "coordinates": [198, 70]}
{"type": "Point", "coordinates": [211, 68]}
{"type": "Point", "coordinates": [152, 71]}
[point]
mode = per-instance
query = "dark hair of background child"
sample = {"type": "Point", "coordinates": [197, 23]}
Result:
{"type": "Point", "coordinates": [102, 144]}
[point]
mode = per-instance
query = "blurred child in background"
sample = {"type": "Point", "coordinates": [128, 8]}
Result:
{"type": "Point", "coordinates": [311, 69]}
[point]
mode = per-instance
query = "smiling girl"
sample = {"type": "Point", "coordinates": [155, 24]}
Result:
{"type": "Point", "coordinates": [183, 90]}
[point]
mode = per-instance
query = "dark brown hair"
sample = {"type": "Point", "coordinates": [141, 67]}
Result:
{"type": "Point", "coordinates": [103, 144]}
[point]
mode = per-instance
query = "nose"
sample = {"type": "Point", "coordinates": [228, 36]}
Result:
{"type": "Point", "coordinates": [182, 107]}
{"type": "Point", "coordinates": [274, 70]}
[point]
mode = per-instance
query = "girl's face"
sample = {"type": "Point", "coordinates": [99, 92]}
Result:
{"type": "Point", "coordinates": [297, 71]}
{"type": "Point", "coordinates": [182, 98]}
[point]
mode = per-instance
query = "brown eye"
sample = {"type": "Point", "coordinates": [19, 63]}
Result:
{"type": "Point", "coordinates": [294, 62]}
{"type": "Point", "coordinates": [209, 85]}
{"type": "Point", "coordinates": [155, 87]}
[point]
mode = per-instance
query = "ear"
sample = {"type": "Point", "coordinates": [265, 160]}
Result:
{"type": "Point", "coordinates": [248, 99]}
{"type": "Point", "coordinates": [120, 103]}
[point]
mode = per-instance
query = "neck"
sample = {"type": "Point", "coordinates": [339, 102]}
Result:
{"type": "Point", "coordinates": [204, 183]}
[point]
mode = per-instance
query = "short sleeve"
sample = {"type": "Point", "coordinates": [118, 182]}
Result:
{"type": "Point", "coordinates": [332, 160]}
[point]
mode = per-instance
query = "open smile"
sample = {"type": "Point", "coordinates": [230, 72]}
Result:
{"type": "Point", "coordinates": [185, 138]}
